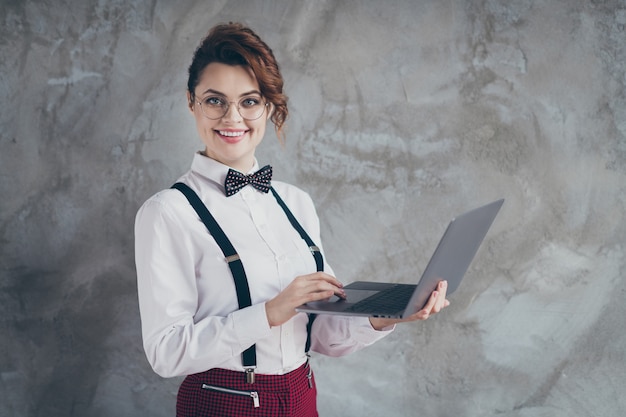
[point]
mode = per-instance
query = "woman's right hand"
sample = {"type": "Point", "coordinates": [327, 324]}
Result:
{"type": "Point", "coordinates": [303, 289]}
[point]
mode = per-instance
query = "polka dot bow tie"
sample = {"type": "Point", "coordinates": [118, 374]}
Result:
{"type": "Point", "coordinates": [260, 180]}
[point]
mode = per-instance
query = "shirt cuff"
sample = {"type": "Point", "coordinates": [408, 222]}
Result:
{"type": "Point", "coordinates": [251, 325]}
{"type": "Point", "coordinates": [365, 333]}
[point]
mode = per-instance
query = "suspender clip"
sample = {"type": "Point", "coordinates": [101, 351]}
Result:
{"type": "Point", "coordinates": [314, 249]}
{"type": "Point", "coordinates": [250, 374]}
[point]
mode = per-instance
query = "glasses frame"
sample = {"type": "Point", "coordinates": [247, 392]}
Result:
{"type": "Point", "coordinates": [237, 106]}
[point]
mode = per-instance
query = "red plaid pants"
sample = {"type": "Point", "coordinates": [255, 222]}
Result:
{"type": "Point", "coordinates": [220, 392]}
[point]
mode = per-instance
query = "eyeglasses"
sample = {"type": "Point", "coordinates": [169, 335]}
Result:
{"type": "Point", "coordinates": [216, 107]}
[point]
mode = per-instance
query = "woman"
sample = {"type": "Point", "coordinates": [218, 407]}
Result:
{"type": "Point", "coordinates": [227, 319]}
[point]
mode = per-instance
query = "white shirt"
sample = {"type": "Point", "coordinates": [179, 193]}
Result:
{"type": "Point", "coordinates": [189, 313]}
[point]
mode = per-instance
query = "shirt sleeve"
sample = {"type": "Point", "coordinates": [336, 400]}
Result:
{"type": "Point", "coordinates": [338, 335]}
{"type": "Point", "coordinates": [175, 343]}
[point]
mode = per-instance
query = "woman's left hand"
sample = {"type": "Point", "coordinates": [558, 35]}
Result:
{"type": "Point", "coordinates": [435, 304]}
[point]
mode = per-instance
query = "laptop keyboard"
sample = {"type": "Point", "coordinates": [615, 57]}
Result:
{"type": "Point", "coordinates": [390, 301]}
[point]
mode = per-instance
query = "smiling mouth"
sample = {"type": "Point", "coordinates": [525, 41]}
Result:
{"type": "Point", "coordinates": [231, 134]}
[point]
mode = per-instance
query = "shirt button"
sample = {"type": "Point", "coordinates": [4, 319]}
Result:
{"type": "Point", "coordinates": [246, 193]}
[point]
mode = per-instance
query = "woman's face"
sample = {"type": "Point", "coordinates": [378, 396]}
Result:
{"type": "Point", "coordinates": [230, 139]}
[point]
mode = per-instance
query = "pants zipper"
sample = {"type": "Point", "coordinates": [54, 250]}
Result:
{"type": "Point", "coordinates": [252, 394]}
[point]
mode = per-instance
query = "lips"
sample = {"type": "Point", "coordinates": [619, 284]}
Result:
{"type": "Point", "coordinates": [231, 136]}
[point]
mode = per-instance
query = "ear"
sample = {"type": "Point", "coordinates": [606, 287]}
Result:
{"type": "Point", "coordinates": [270, 111]}
{"type": "Point", "coordinates": [189, 101]}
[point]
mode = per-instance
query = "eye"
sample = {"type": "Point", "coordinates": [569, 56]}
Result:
{"type": "Point", "coordinates": [250, 102]}
{"type": "Point", "coordinates": [213, 102]}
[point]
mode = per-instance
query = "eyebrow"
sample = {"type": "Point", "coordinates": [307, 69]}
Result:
{"type": "Point", "coordinates": [210, 90]}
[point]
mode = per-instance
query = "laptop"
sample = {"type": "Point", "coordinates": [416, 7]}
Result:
{"type": "Point", "coordinates": [451, 259]}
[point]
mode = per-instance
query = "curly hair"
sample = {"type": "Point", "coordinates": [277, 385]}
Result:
{"type": "Point", "coordinates": [236, 44]}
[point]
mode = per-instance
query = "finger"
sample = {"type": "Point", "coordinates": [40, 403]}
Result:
{"type": "Point", "coordinates": [424, 313]}
{"type": "Point", "coordinates": [420, 315]}
{"type": "Point", "coordinates": [441, 296]}
{"type": "Point", "coordinates": [328, 278]}
{"type": "Point", "coordinates": [314, 290]}
{"type": "Point", "coordinates": [326, 287]}
{"type": "Point", "coordinates": [313, 296]}
{"type": "Point", "coordinates": [320, 295]}
{"type": "Point", "coordinates": [324, 282]}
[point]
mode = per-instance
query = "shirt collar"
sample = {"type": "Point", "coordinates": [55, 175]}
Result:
{"type": "Point", "coordinates": [214, 170]}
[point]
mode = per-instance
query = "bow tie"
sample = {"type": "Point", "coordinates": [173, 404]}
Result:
{"type": "Point", "coordinates": [260, 180]}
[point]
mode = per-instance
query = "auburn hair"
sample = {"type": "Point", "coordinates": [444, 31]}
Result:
{"type": "Point", "coordinates": [236, 44]}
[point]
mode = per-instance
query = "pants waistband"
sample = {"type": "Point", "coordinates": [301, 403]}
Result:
{"type": "Point", "coordinates": [237, 379]}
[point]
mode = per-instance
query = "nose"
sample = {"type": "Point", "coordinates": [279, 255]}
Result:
{"type": "Point", "coordinates": [232, 113]}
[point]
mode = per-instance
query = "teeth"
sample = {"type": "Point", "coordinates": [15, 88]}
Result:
{"type": "Point", "coordinates": [231, 134]}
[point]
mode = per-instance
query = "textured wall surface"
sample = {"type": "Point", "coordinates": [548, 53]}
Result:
{"type": "Point", "coordinates": [403, 114]}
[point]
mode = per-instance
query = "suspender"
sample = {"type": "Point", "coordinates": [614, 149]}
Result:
{"type": "Point", "coordinates": [236, 266]}
{"type": "Point", "coordinates": [317, 254]}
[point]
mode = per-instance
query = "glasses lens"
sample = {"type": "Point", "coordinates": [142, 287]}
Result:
{"type": "Point", "coordinates": [214, 107]}
{"type": "Point", "coordinates": [250, 108]}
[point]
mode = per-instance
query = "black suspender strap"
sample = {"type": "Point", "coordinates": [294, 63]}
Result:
{"type": "Point", "coordinates": [317, 254]}
{"type": "Point", "coordinates": [236, 266]}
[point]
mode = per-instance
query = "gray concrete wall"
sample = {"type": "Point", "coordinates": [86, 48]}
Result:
{"type": "Point", "coordinates": [403, 113]}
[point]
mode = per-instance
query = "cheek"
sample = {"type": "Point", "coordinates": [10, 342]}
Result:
{"type": "Point", "coordinates": [204, 125]}
{"type": "Point", "coordinates": [260, 127]}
